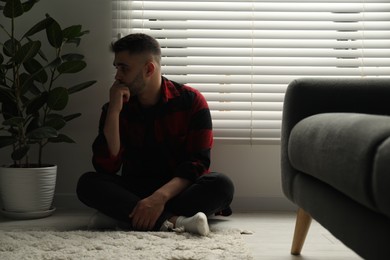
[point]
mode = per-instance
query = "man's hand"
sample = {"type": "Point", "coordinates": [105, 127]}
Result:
{"type": "Point", "coordinates": [147, 211]}
{"type": "Point", "coordinates": [119, 94]}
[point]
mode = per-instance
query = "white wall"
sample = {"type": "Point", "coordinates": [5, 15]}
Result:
{"type": "Point", "coordinates": [254, 169]}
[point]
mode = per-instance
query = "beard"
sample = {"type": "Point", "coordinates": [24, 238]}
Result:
{"type": "Point", "coordinates": [137, 85]}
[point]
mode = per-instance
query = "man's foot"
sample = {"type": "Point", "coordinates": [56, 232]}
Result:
{"type": "Point", "coordinates": [196, 224]}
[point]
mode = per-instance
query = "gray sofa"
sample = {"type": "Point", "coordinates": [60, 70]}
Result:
{"type": "Point", "coordinates": [335, 160]}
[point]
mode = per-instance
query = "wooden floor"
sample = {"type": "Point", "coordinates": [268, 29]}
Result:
{"type": "Point", "coordinates": [271, 236]}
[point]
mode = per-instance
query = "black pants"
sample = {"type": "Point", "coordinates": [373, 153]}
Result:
{"type": "Point", "coordinates": [116, 196]}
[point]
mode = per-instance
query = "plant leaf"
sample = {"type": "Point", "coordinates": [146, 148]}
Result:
{"type": "Point", "coordinates": [18, 154]}
{"type": "Point", "coordinates": [58, 98]}
{"type": "Point", "coordinates": [71, 117]}
{"type": "Point", "coordinates": [14, 121]}
{"type": "Point", "coordinates": [10, 47]}
{"type": "Point", "coordinates": [72, 31]}
{"type": "Point", "coordinates": [71, 66]}
{"type": "Point", "coordinates": [40, 52]}
{"type": "Point", "coordinates": [42, 55]}
{"type": "Point", "coordinates": [9, 110]}
{"type": "Point", "coordinates": [81, 86]}
{"type": "Point", "coordinates": [38, 102]}
{"type": "Point", "coordinates": [42, 25]}
{"type": "Point", "coordinates": [55, 63]}
{"type": "Point", "coordinates": [6, 141]}
{"type": "Point", "coordinates": [29, 4]}
{"type": "Point", "coordinates": [33, 66]}
{"type": "Point", "coordinates": [34, 89]}
{"type": "Point", "coordinates": [34, 124]}
{"type": "Point", "coordinates": [27, 83]}
{"type": "Point", "coordinates": [6, 95]}
{"type": "Point", "coordinates": [72, 56]}
{"type": "Point", "coordinates": [52, 115]}
{"type": "Point", "coordinates": [56, 123]}
{"type": "Point", "coordinates": [52, 64]}
{"type": "Point", "coordinates": [14, 131]}
{"type": "Point", "coordinates": [61, 138]}
{"type": "Point", "coordinates": [13, 8]}
{"type": "Point", "coordinates": [54, 34]}
{"type": "Point", "coordinates": [27, 51]}
{"type": "Point", "coordinates": [42, 133]}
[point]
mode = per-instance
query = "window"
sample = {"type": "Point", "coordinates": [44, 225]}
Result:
{"type": "Point", "coordinates": [242, 54]}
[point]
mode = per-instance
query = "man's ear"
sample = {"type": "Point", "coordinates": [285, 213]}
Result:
{"type": "Point", "coordinates": [150, 67]}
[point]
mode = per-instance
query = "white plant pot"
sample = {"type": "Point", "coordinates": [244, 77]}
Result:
{"type": "Point", "coordinates": [27, 192]}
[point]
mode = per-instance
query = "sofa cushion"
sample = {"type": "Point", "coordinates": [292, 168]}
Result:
{"type": "Point", "coordinates": [381, 177]}
{"type": "Point", "coordinates": [340, 148]}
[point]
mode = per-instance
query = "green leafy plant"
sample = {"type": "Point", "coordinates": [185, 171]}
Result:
{"type": "Point", "coordinates": [30, 95]}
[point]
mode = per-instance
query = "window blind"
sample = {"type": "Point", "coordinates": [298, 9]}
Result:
{"type": "Point", "coordinates": [242, 54]}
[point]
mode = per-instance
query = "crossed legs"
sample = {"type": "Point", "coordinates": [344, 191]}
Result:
{"type": "Point", "coordinates": [116, 196]}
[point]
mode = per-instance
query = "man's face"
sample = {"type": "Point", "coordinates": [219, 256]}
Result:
{"type": "Point", "coordinates": [130, 71]}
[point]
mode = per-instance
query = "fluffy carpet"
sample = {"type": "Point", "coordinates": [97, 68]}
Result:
{"type": "Point", "coordinates": [219, 244]}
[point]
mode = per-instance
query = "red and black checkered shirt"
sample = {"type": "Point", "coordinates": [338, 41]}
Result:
{"type": "Point", "coordinates": [171, 139]}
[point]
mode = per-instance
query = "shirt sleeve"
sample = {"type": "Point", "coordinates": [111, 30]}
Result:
{"type": "Point", "coordinates": [101, 159]}
{"type": "Point", "coordinates": [199, 141]}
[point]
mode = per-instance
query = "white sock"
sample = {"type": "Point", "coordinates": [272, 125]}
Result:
{"type": "Point", "coordinates": [196, 224]}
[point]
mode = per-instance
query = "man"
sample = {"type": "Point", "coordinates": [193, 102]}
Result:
{"type": "Point", "coordinates": [159, 133]}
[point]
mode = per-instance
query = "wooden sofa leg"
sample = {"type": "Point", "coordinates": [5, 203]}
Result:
{"type": "Point", "coordinates": [302, 226]}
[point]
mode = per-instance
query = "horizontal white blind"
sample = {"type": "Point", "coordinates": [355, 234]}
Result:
{"type": "Point", "coordinates": [242, 54]}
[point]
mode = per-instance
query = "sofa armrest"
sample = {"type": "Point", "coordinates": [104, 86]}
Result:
{"type": "Point", "coordinates": [309, 96]}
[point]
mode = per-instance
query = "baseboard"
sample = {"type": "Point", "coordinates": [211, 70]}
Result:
{"type": "Point", "coordinates": [239, 204]}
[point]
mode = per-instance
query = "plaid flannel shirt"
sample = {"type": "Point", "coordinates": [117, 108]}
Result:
{"type": "Point", "coordinates": [173, 139]}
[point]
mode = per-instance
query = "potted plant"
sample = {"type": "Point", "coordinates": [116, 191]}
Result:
{"type": "Point", "coordinates": [31, 62]}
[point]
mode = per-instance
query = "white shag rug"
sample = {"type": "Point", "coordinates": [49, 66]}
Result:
{"type": "Point", "coordinates": [118, 245]}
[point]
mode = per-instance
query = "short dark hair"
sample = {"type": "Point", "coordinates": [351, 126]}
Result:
{"type": "Point", "coordinates": [137, 43]}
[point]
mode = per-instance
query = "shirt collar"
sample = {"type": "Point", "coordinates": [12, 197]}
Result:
{"type": "Point", "coordinates": [168, 90]}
